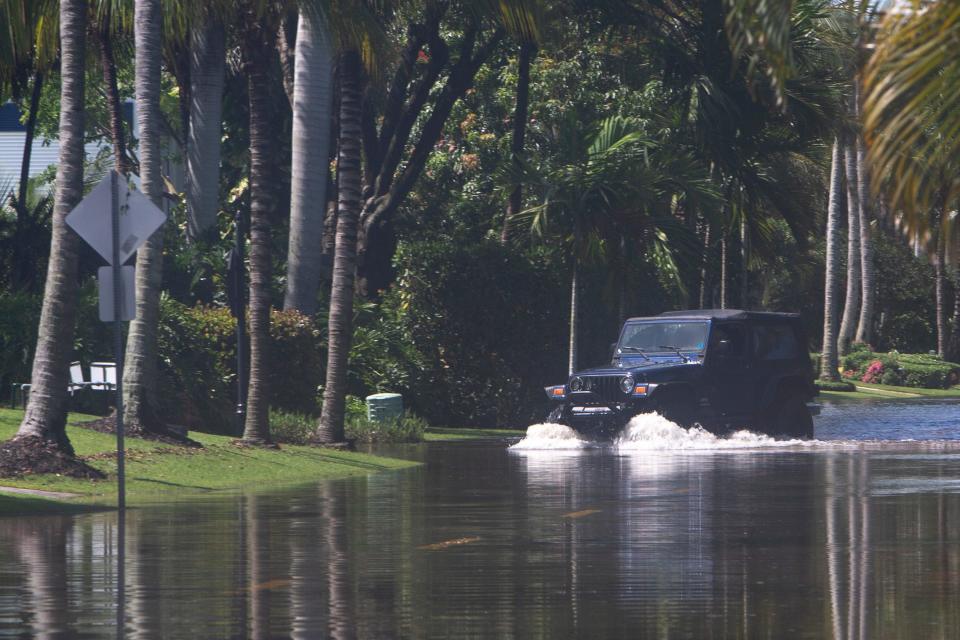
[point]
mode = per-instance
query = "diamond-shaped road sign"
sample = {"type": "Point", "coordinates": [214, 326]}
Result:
{"type": "Point", "coordinates": [139, 218]}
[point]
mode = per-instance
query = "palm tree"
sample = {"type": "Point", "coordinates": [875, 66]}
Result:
{"type": "Point", "coordinates": [851, 308]}
{"type": "Point", "coordinates": [258, 26]}
{"type": "Point", "coordinates": [617, 185]}
{"type": "Point", "coordinates": [867, 279]}
{"type": "Point", "coordinates": [207, 66]}
{"type": "Point", "coordinates": [828, 355]}
{"type": "Point", "coordinates": [339, 327]}
{"type": "Point", "coordinates": [911, 109]}
{"type": "Point", "coordinates": [46, 416]}
{"type": "Point", "coordinates": [312, 112]}
{"type": "Point", "coordinates": [140, 372]}
{"type": "Point", "coordinates": [28, 52]}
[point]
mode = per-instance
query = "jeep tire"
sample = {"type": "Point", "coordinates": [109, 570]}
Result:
{"type": "Point", "coordinates": [790, 417]}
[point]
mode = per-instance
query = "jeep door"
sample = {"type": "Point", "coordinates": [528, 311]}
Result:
{"type": "Point", "coordinates": [730, 379]}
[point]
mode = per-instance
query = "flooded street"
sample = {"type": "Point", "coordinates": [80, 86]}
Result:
{"type": "Point", "coordinates": [667, 534]}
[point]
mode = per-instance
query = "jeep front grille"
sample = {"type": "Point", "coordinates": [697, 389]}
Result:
{"type": "Point", "coordinates": [606, 387]}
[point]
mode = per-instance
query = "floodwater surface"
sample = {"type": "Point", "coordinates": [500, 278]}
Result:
{"type": "Point", "coordinates": [665, 533]}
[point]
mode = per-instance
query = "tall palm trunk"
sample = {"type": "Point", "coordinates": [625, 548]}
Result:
{"type": "Point", "coordinates": [515, 203]}
{"type": "Point", "coordinates": [340, 322]}
{"type": "Point", "coordinates": [109, 68]}
{"type": "Point", "coordinates": [953, 339]}
{"type": "Point", "coordinates": [868, 292]}
{"type": "Point", "coordinates": [312, 111]}
{"type": "Point", "coordinates": [140, 379]}
{"type": "Point", "coordinates": [18, 277]}
{"type": "Point", "coordinates": [207, 65]}
{"type": "Point", "coordinates": [574, 318]}
{"type": "Point", "coordinates": [744, 262]}
{"type": "Point", "coordinates": [851, 308]}
{"type": "Point", "coordinates": [704, 271]}
{"type": "Point", "coordinates": [46, 415]}
{"type": "Point", "coordinates": [724, 291]}
{"type": "Point", "coordinates": [940, 285]}
{"type": "Point", "coordinates": [257, 50]}
{"type": "Point", "coordinates": [831, 288]}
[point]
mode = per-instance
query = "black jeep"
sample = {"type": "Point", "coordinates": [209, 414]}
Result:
{"type": "Point", "coordinates": [722, 369]}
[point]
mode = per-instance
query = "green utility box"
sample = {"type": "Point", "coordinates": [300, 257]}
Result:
{"type": "Point", "coordinates": [384, 406]}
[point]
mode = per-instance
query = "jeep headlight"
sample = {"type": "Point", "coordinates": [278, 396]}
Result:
{"type": "Point", "coordinates": [576, 383]}
{"type": "Point", "coordinates": [626, 383]}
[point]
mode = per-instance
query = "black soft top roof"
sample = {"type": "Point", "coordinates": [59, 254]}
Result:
{"type": "Point", "coordinates": [723, 314]}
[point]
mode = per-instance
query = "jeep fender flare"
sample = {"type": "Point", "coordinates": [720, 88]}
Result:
{"type": "Point", "coordinates": [666, 390]}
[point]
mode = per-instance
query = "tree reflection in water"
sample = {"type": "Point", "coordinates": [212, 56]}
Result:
{"type": "Point", "coordinates": [843, 544]}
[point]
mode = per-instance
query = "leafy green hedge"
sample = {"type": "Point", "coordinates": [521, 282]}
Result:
{"type": "Point", "coordinates": [197, 348]}
{"type": "Point", "coordinates": [899, 369]}
{"type": "Point", "coordinates": [838, 385]}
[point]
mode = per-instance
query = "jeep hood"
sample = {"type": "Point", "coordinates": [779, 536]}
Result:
{"type": "Point", "coordinates": [636, 365]}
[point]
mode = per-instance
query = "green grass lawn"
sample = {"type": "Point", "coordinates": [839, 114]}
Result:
{"type": "Point", "coordinates": [888, 392]}
{"type": "Point", "coordinates": [436, 434]}
{"type": "Point", "coordinates": [156, 471]}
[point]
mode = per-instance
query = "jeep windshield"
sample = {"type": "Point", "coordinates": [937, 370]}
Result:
{"type": "Point", "coordinates": [662, 337]}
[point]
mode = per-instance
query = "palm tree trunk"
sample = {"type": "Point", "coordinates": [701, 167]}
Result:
{"type": "Point", "coordinates": [18, 277]}
{"type": "Point", "coordinates": [723, 272]}
{"type": "Point", "coordinates": [744, 271]}
{"type": "Point", "coordinates": [574, 318]}
{"type": "Point", "coordinates": [940, 285]}
{"type": "Point", "coordinates": [46, 415]}
{"type": "Point", "coordinates": [515, 203]}
{"type": "Point", "coordinates": [312, 111]}
{"type": "Point", "coordinates": [257, 47]}
{"type": "Point", "coordinates": [340, 323]}
{"type": "Point", "coordinates": [851, 308]}
{"type": "Point", "coordinates": [140, 378]}
{"type": "Point", "coordinates": [704, 263]}
{"type": "Point", "coordinates": [868, 292]}
{"type": "Point", "coordinates": [207, 65]}
{"type": "Point", "coordinates": [828, 357]}
{"type": "Point", "coordinates": [953, 341]}
{"type": "Point", "coordinates": [109, 64]}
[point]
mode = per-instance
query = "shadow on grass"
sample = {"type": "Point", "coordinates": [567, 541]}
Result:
{"type": "Point", "coordinates": [16, 505]}
{"type": "Point", "coordinates": [175, 484]}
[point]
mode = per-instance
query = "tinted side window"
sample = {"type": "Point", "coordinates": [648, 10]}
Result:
{"type": "Point", "coordinates": [728, 340]}
{"type": "Point", "coordinates": [775, 342]}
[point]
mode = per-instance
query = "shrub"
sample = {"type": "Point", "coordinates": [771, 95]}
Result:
{"type": "Point", "coordinates": [197, 347]}
{"type": "Point", "coordinates": [835, 385]}
{"type": "Point", "coordinates": [929, 376]}
{"type": "Point", "coordinates": [291, 427]}
{"type": "Point", "coordinates": [893, 377]}
{"type": "Point", "coordinates": [874, 372]}
{"type": "Point", "coordinates": [407, 428]}
{"type": "Point", "coordinates": [475, 362]}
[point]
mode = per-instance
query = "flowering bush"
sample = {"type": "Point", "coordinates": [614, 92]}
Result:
{"type": "Point", "coordinates": [874, 373]}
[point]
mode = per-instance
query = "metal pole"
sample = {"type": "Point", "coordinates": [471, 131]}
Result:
{"type": "Point", "coordinates": [241, 327]}
{"type": "Point", "coordinates": [118, 337]}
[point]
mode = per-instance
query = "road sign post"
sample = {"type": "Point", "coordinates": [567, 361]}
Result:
{"type": "Point", "coordinates": [118, 336]}
{"type": "Point", "coordinates": [116, 220]}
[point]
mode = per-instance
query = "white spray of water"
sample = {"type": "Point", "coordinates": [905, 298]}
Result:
{"type": "Point", "coordinates": [552, 436]}
{"type": "Point", "coordinates": [653, 432]}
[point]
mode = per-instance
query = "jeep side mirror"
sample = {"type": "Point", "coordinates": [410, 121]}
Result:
{"type": "Point", "coordinates": [613, 350]}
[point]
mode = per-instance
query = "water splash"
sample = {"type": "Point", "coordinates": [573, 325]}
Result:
{"type": "Point", "coordinates": [552, 436]}
{"type": "Point", "coordinates": [653, 432]}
